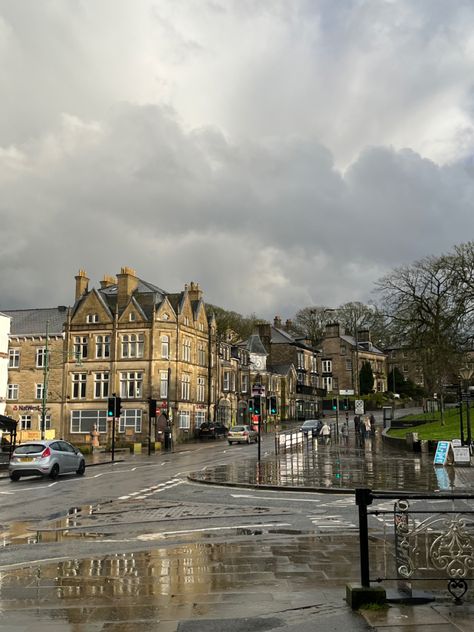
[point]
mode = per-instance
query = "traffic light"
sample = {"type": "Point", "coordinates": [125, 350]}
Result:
{"type": "Point", "coordinates": [118, 406]}
{"type": "Point", "coordinates": [152, 404]}
{"type": "Point", "coordinates": [345, 404]}
{"type": "Point", "coordinates": [334, 404]}
{"type": "Point", "coordinates": [251, 404]}
{"type": "Point", "coordinates": [111, 407]}
{"type": "Point", "coordinates": [257, 405]}
{"type": "Point", "coordinates": [273, 405]}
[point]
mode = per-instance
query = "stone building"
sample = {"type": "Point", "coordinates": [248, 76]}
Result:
{"type": "Point", "coordinates": [284, 350]}
{"type": "Point", "coordinates": [343, 356]}
{"type": "Point", "coordinates": [36, 361]}
{"type": "Point", "coordinates": [4, 331]}
{"type": "Point", "coordinates": [407, 362]}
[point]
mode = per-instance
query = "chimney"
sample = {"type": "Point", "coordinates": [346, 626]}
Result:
{"type": "Point", "coordinates": [127, 282]}
{"type": "Point", "coordinates": [107, 281]}
{"type": "Point", "coordinates": [277, 322]}
{"type": "Point", "coordinates": [288, 324]}
{"type": "Point", "coordinates": [194, 291]}
{"type": "Point", "coordinates": [363, 335]}
{"type": "Point", "coordinates": [333, 330]}
{"type": "Point", "coordinates": [82, 283]}
{"type": "Point", "coordinates": [265, 333]}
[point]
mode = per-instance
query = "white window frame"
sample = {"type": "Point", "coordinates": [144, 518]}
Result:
{"type": "Point", "coordinates": [78, 385]}
{"type": "Point", "coordinates": [326, 366]}
{"type": "Point", "coordinates": [82, 421]}
{"type": "Point", "coordinates": [184, 420]}
{"type": "Point", "coordinates": [14, 358]}
{"type": "Point", "coordinates": [165, 346]}
{"type": "Point", "coordinates": [41, 357]}
{"type": "Point", "coordinates": [201, 389]}
{"type": "Point", "coordinates": [102, 346]}
{"type": "Point", "coordinates": [92, 318]}
{"type": "Point", "coordinates": [81, 347]}
{"type": "Point", "coordinates": [186, 350]}
{"type": "Point", "coordinates": [132, 317]}
{"type": "Point", "coordinates": [131, 384]}
{"type": "Point", "coordinates": [131, 418]}
{"type": "Point", "coordinates": [47, 422]}
{"type": "Point", "coordinates": [13, 391]}
{"type": "Point", "coordinates": [300, 359]}
{"type": "Point", "coordinates": [164, 384]}
{"type": "Point", "coordinates": [349, 365]}
{"type": "Point", "coordinates": [226, 381]}
{"type": "Point", "coordinates": [201, 354]}
{"type": "Point", "coordinates": [244, 383]}
{"type": "Point", "coordinates": [327, 383]}
{"type": "Point", "coordinates": [185, 387]}
{"type": "Point", "coordinates": [132, 345]}
{"type": "Point", "coordinates": [101, 384]}
{"type": "Point", "coordinates": [39, 388]}
{"type": "Point", "coordinates": [199, 418]}
{"type": "Point", "coordinates": [25, 422]}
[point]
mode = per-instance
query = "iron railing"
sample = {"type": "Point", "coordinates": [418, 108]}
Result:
{"type": "Point", "coordinates": [425, 541]}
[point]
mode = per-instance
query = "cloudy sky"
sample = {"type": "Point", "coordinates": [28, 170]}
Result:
{"type": "Point", "coordinates": [281, 153]}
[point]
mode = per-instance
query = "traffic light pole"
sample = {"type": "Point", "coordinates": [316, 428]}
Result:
{"type": "Point", "coordinates": [113, 427]}
{"type": "Point", "coordinates": [337, 417]}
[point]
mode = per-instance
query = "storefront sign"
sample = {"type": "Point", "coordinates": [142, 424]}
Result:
{"type": "Point", "coordinates": [444, 453]}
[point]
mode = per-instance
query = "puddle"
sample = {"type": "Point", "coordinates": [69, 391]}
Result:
{"type": "Point", "coordinates": [58, 530]}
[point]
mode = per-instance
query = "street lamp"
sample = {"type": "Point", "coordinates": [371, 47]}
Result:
{"type": "Point", "coordinates": [466, 374]}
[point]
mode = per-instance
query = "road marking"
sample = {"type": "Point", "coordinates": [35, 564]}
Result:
{"type": "Point", "coordinates": [296, 500]}
{"type": "Point", "coordinates": [156, 536]}
{"type": "Point", "coordinates": [150, 491]}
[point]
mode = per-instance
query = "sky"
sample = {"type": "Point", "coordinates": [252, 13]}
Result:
{"type": "Point", "coordinates": [282, 154]}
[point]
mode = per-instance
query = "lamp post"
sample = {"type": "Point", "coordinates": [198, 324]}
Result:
{"type": "Point", "coordinates": [466, 374]}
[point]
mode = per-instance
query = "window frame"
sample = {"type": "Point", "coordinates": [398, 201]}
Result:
{"type": "Point", "coordinates": [12, 388]}
{"type": "Point", "coordinates": [14, 355]}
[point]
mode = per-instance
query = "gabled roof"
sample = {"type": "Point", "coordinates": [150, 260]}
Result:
{"type": "Point", "coordinates": [362, 346]}
{"type": "Point", "coordinates": [255, 345]}
{"type": "Point", "coordinates": [281, 369]}
{"type": "Point", "coordinates": [280, 336]}
{"type": "Point", "coordinates": [28, 322]}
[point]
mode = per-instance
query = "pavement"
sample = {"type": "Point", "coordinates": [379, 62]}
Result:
{"type": "Point", "coordinates": [220, 586]}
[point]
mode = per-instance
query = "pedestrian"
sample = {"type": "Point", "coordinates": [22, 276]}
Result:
{"type": "Point", "coordinates": [372, 424]}
{"type": "Point", "coordinates": [345, 432]}
{"type": "Point", "coordinates": [357, 424]}
{"type": "Point", "coordinates": [326, 433]}
{"type": "Point", "coordinates": [366, 427]}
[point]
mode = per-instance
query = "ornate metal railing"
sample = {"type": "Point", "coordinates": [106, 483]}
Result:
{"type": "Point", "coordinates": [426, 541]}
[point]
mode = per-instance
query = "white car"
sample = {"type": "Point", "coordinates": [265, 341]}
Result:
{"type": "Point", "coordinates": [242, 434]}
{"type": "Point", "coordinates": [46, 458]}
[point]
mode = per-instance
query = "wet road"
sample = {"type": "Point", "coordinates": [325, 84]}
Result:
{"type": "Point", "coordinates": [137, 544]}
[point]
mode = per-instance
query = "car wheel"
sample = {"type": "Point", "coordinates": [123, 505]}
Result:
{"type": "Point", "coordinates": [14, 476]}
{"type": "Point", "coordinates": [54, 471]}
{"type": "Point", "coordinates": [248, 440]}
{"type": "Point", "coordinates": [82, 468]}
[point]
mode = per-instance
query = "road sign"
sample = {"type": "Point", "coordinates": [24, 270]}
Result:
{"type": "Point", "coordinates": [359, 406]}
{"type": "Point", "coordinates": [258, 389]}
{"type": "Point", "coordinates": [346, 391]}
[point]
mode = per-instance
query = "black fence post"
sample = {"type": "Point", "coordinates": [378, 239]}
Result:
{"type": "Point", "coordinates": [363, 500]}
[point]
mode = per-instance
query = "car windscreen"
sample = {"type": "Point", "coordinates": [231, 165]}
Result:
{"type": "Point", "coordinates": [30, 448]}
{"type": "Point", "coordinates": [310, 423]}
{"type": "Point", "coordinates": [238, 428]}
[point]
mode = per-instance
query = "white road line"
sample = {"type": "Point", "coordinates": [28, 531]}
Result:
{"type": "Point", "coordinates": [153, 536]}
{"type": "Point", "coordinates": [283, 498]}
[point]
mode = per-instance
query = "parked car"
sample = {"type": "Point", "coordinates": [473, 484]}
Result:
{"type": "Point", "coordinates": [212, 430]}
{"type": "Point", "coordinates": [242, 434]}
{"type": "Point", "coordinates": [312, 426]}
{"type": "Point", "coordinates": [46, 458]}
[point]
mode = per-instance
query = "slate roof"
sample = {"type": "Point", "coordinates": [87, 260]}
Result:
{"type": "Point", "coordinates": [28, 322]}
{"type": "Point", "coordinates": [280, 369]}
{"type": "Point", "coordinates": [255, 345]}
{"type": "Point", "coordinates": [363, 346]}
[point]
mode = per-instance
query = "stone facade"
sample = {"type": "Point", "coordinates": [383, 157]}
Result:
{"type": "Point", "coordinates": [342, 357]}
{"type": "Point", "coordinates": [4, 331]}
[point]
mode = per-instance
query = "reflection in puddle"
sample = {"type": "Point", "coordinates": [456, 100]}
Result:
{"type": "Point", "coordinates": [58, 530]}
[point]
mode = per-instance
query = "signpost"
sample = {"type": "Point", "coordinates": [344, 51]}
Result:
{"type": "Point", "coordinates": [359, 406]}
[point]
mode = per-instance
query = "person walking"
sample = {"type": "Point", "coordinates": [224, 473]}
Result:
{"type": "Point", "coordinates": [345, 432]}
{"type": "Point", "coordinates": [366, 427]}
{"type": "Point", "coordinates": [372, 424]}
{"type": "Point", "coordinates": [326, 433]}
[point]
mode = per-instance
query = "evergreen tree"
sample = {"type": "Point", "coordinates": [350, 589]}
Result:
{"type": "Point", "coordinates": [366, 379]}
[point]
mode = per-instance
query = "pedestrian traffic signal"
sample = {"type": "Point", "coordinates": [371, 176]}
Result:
{"type": "Point", "coordinates": [345, 404]}
{"type": "Point", "coordinates": [257, 405]}
{"type": "Point", "coordinates": [251, 405]}
{"type": "Point", "coordinates": [111, 407]}
{"type": "Point", "coordinates": [272, 405]}
{"type": "Point", "coordinates": [334, 404]}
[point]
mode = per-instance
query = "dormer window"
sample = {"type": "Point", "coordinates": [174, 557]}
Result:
{"type": "Point", "coordinates": [132, 317]}
{"type": "Point", "coordinates": [165, 316]}
{"type": "Point", "coordinates": [92, 318]}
